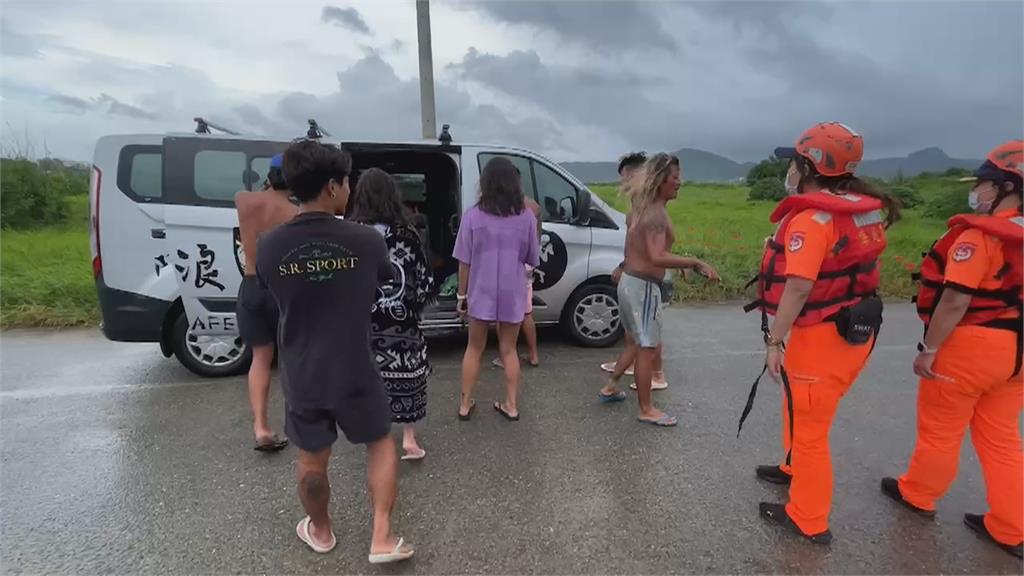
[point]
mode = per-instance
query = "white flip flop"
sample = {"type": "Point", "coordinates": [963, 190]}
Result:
{"type": "Point", "coordinates": [395, 555]}
{"type": "Point", "coordinates": [654, 385]}
{"type": "Point", "coordinates": [302, 531]}
{"type": "Point", "coordinates": [609, 367]}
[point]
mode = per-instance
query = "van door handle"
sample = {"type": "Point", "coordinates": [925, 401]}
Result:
{"type": "Point", "coordinates": [158, 233]}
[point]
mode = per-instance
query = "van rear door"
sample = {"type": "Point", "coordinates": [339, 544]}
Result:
{"type": "Point", "coordinates": [126, 208]}
{"type": "Point", "coordinates": [202, 174]}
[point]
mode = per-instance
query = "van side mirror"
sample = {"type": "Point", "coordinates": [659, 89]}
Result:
{"type": "Point", "coordinates": [583, 205]}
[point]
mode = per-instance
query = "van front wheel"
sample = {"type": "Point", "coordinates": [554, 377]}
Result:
{"type": "Point", "coordinates": [209, 356]}
{"type": "Point", "coordinates": [592, 316]}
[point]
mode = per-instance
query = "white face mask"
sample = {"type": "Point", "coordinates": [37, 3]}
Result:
{"type": "Point", "coordinates": [976, 204]}
{"type": "Point", "coordinates": [792, 188]}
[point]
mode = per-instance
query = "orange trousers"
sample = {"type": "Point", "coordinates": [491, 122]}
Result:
{"type": "Point", "coordinates": [981, 394]}
{"type": "Point", "coordinates": [821, 366]}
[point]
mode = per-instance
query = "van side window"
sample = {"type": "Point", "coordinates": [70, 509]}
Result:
{"type": "Point", "coordinates": [523, 164]}
{"type": "Point", "coordinates": [219, 174]}
{"type": "Point", "coordinates": [556, 195]}
{"type": "Point", "coordinates": [147, 175]}
{"type": "Point", "coordinates": [259, 166]}
{"type": "Point", "coordinates": [140, 172]}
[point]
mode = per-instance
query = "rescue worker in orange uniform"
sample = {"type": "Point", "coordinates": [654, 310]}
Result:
{"type": "Point", "coordinates": [970, 359]}
{"type": "Point", "coordinates": [818, 278]}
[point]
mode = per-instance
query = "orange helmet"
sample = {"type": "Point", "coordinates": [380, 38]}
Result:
{"type": "Point", "coordinates": [1009, 157]}
{"type": "Point", "coordinates": [831, 147]}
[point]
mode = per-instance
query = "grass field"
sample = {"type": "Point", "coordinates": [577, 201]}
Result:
{"type": "Point", "coordinates": [717, 224]}
{"type": "Point", "coordinates": [46, 276]}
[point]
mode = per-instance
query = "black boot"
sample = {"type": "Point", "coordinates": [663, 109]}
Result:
{"type": "Point", "coordinates": [976, 522]}
{"type": "Point", "coordinates": [774, 475]}
{"type": "Point", "coordinates": [891, 488]}
{"type": "Point", "coordinates": [776, 514]}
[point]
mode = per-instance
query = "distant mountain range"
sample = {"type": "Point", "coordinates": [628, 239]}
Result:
{"type": "Point", "coordinates": [702, 166]}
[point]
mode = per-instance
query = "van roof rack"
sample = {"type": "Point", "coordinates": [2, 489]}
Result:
{"type": "Point", "coordinates": [446, 136]}
{"type": "Point", "coordinates": [203, 127]}
{"type": "Point", "coordinates": [315, 132]}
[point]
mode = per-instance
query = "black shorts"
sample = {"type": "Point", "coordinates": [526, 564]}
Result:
{"type": "Point", "coordinates": [256, 313]}
{"type": "Point", "coordinates": [363, 419]}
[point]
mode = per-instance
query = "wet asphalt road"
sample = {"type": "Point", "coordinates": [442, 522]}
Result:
{"type": "Point", "coordinates": [115, 460]}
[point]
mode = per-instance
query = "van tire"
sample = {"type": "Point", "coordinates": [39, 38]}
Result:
{"type": "Point", "coordinates": [604, 300]}
{"type": "Point", "coordinates": [181, 346]}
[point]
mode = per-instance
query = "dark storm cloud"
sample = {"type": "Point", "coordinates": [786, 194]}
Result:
{"type": "Point", "coordinates": [621, 102]}
{"type": "Point", "coordinates": [754, 74]}
{"type": "Point", "coordinates": [69, 103]}
{"type": "Point", "coordinates": [348, 18]}
{"type": "Point", "coordinates": [603, 26]}
{"type": "Point", "coordinates": [117, 108]}
{"type": "Point", "coordinates": [373, 102]}
{"type": "Point", "coordinates": [905, 86]}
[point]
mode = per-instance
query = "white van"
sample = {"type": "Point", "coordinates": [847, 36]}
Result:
{"type": "Point", "coordinates": [166, 253]}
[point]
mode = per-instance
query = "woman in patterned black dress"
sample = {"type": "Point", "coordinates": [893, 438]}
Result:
{"type": "Point", "coordinates": [398, 344]}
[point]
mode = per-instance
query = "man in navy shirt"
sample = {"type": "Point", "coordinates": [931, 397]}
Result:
{"type": "Point", "coordinates": [323, 273]}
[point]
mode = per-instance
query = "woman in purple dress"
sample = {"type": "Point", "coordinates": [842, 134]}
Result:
{"type": "Point", "coordinates": [496, 238]}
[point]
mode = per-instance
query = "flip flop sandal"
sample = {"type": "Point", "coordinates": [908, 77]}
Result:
{"type": "Point", "coordinates": [273, 444]}
{"type": "Point", "coordinates": [465, 417]}
{"type": "Point", "coordinates": [609, 367]}
{"type": "Point", "coordinates": [396, 555]}
{"type": "Point", "coordinates": [415, 455]}
{"type": "Point", "coordinates": [654, 385]}
{"type": "Point", "coordinates": [665, 421]}
{"type": "Point", "coordinates": [497, 406]}
{"type": "Point", "coordinates": [612, 398]}
{"type": "Point", "coordinates": [302, 531]}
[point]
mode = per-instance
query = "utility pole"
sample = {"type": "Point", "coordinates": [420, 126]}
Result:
{"type": "Point", "coordinates": [427, 111]}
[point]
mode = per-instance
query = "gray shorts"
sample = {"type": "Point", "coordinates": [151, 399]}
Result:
{"type": "Point", "coordinates": [641, 303]}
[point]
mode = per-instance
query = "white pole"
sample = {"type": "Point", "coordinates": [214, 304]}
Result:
{"type": "Point", "coordinates": [427, 112]}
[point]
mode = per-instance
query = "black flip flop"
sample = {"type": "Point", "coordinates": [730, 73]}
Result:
{"type": "Point", "coordinates": [465, 417]}
{"type": "Point", "coordinates": [274, 444]}
{"type": "Point", "coordinates": [497, 406]}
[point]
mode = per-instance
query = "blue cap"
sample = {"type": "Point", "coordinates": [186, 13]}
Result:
{"type": "Point", "coordinates": [276, 161]}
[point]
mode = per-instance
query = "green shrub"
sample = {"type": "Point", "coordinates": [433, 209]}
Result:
{"type": "Point", "coordinates": [768, 189]}
{"type": "Point", "coordinates": [771, 168]}
{"type": "Point", "coordinates": [908, 196]}
{"type": "Point", "coordinates": [32, 196]}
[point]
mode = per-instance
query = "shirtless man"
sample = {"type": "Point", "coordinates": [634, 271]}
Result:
{"type": "Point", "coordinates": [629, 166]}
{"type": "Point", "coordinates": [259, 212]}
{"type": "Point", "coordinates": [529, 327]}
{"type": "Point", "coordinates": [649, 242]}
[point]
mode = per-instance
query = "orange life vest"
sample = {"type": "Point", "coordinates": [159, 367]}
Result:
{"type": "Point", "coordinates": [850, 270]}
{"type": "Point", "coordinates": [986, 305]}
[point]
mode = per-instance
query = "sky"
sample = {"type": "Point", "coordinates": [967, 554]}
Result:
{"type": "Point", "coordinates": [573, 80]}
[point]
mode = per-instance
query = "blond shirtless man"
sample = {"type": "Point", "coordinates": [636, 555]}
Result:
{"type": "Point", "coordinates": [648, 255]}
{"type": "Point", "coordinates": [259, 212]}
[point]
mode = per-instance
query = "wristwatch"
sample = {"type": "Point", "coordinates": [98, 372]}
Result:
{"type": "Point", "coordinates": [924, 349]}
{"type": "Point", "coordinates": [771, 342]}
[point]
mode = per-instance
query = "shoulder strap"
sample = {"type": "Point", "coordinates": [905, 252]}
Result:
{"type": "Point", "coordinates": [828, 202]}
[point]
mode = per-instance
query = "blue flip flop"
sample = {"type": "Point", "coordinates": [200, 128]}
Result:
{"type": "Point", "coordinates": [612, 398]}
{"type": "Point", "coordinates": [665, 421]}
